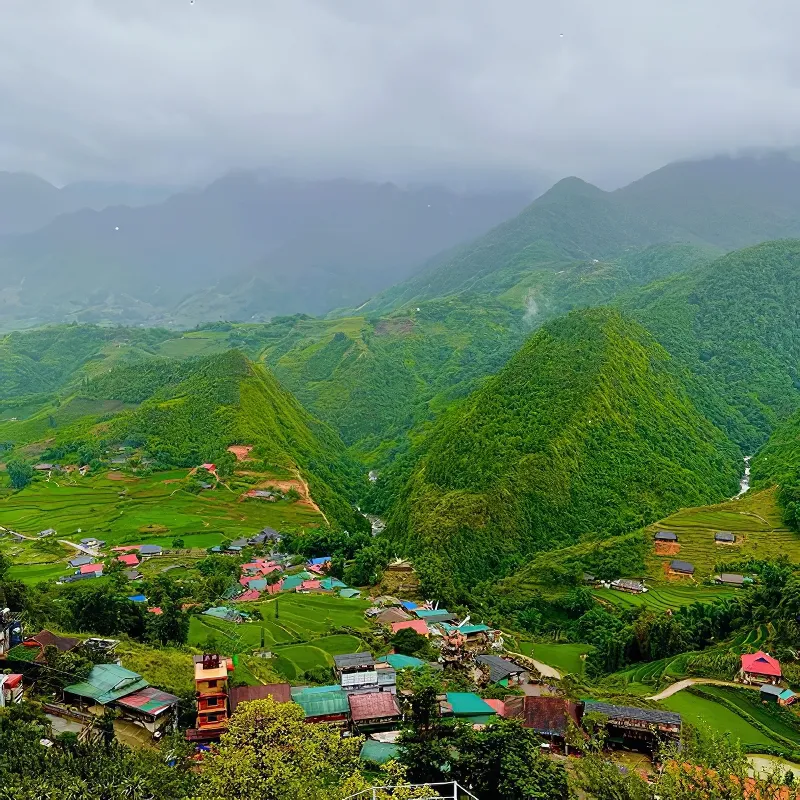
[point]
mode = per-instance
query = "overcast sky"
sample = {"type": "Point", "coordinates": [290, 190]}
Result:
{"type": "Point", "coordinates": [174, 90]}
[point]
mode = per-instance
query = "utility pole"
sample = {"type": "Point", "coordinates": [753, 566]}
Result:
{"type": "Point", "coordinates": [276, 608]}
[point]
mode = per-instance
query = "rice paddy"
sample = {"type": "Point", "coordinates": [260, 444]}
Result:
{"type": "Point", "coordinates": [662, 599]}
{"type": "Point", "coordinates": [566, 658]}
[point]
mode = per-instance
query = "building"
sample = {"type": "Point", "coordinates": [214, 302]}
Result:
{"type": "Point", "coordinates": [502, 671]}
{"type": "Point", "coordinates": [46, 532]}
{"type": "Point", "coordinates": [632, 727]}
{"type": "Point", "coordinates": [666, 536]}
{"type": "Point", "coordinates": [80, 576]}
{"type": "Point", "coordinates": [769, 692]}
{"type": "Point", "coordinates": [151, 709]}
{"type": "Point", "coordinates": [729, 579]}
{"type": "Point", "coordinates": [724, 537]}
{"type": "Point", "coordinates": [418, 625]}
{"type": "Point", "coordinates": [375, 711]}
{"type": "Point", "coordinates": [759, 668]}
{"type": "Point", "coordinates": [97, 568]}
{"type": "Point", "coordinates": [10, 630]}
{"type": "Point", "coordinates": [549, 717]}
{"type": "Point", "coordinates": [279, 692]}
{"type": "Point", "coordinates": [211, 690]}
{"type": "Point", "coordinates": [323, 704]}
{"type": "Point", "coordinates": [628, 585]}
{"type": "Point", "coordinates": [438, 616]}
{"type": "Point", "coordinates": [391, 615]}
{"type": "Point", "coordinates": [129, 560]}
{"type": "Point", "coordinates": [786, 697]}
{"type": "Point", "coordinates": [470, 707]}
{"type": "Point", "coordinates": [150, 550]}
{"type": "Point", "coordinates": [681, 567]}
{"type": "Point", "coordinates": [106, 684]}
{"type": "Point", "coordinates": [330, 584]}
{"type": "Point", "coordinates": [79, 561]}
{"type": "Point", "coordinates": [45, 639]}
{"type": "Point", "coordinates": [11, 690]}
{"type": "Point", "coordinates": [398, 661]}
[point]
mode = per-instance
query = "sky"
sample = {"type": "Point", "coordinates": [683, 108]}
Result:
{"type": "Point", "coordinates": [491, 91]}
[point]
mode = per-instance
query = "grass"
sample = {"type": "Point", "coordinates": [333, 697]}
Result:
{"type": "Point", "coordinates": [566, 658]}
{"type": "Point", "coordinates": [700, 711]}
{"type": "Point", "coordinates": [768, 715]}
{"type": "Point", "coordinates": [754, 519]}
{"type": "Point", "coordinates": [170, 669]}
{"type": "Point", "coordinates": [661, 599]}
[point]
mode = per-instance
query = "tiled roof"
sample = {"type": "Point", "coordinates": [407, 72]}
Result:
{"type": "Point", "coordinates": [374, 705]}
{"type": "Point", "coordinates": [280, 692]}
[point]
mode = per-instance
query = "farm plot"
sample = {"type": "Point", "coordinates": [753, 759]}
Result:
{"type": "Point", "coordinates": [755, 521]}
{"type": "Point", "coordinates": [566, 658]}
{"type": "Point", "coordinates": [661, 599]}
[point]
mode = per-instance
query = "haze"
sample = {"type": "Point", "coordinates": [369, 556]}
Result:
{"type": "Point", "coordinates": [461, 91]}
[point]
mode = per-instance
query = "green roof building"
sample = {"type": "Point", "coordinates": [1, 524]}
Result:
{"type": "Point", "coordinates": [469, 706]}
{"type": "Point", "coordinates": [349, 593]}
{"type": "Point", "coordinates": [402, 662]}
{"type": "Point", "coordinates": [322, 703]}
{"type": "Point", "coordinates": [378, 752]}
{"type": "Point", "coordinates": [291, 582]}
{"type": "Point", "coordinates": [332, 583]}
{"type": "Point", "coordinates": [107, 683]}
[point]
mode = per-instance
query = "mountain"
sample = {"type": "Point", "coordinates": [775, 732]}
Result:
{"type": "Point", "coordinates": [28, 202]}
{"type": "Point", "coordinates": [244, 246]}
{"type": "Point", "coordinates": [587, 431]}
{"type": "Point", "coordinates": [778, 462]}
{"type": "Point", "coordinates": [720, 204]}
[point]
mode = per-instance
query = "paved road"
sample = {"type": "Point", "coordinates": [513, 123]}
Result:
{"type": "Point", "coordinates": [677, 687]}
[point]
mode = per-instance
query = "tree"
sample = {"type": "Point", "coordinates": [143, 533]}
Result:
{"type": "Point", "coordinates": [171, 626]}
{"type": "Point", "coordinates": [270, 753]}
{"type": "Point", "coordinates": [408, 642]}
{"type": "Point", "coordinates": [19, 473]}
{"type": "Point", "coordinates": [62, 669]}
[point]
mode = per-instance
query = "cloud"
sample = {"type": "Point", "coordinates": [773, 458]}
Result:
{"type": "Point", "coordinates": [171, 90]}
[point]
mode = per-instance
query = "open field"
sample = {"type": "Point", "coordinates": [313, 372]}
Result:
{"type": "Point", "coordinates": [661, 599]}
{"type": "Point", "coordinates": [784, 723]}
{"type": "Point", "coordinates": [566, 658]}
{"type": "Point", "coordinates": [118, 510]}
{"type": "Point", "coordinates": [754, 520]}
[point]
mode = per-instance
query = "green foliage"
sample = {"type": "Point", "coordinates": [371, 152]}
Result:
{"type": "Point", "coordinates": [19, 473]}
{"type": "Point", "coordinates": [410, 643]}
{"type": "Point", "coordinates": [534, 458]}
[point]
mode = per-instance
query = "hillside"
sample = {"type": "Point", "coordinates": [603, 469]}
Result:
{"type": "Point", "coordinates": [733, 326]}
{"type": "Point", "coordinates": [719, 204]}
{"type": "Point", "coordinates": [184, 413]}
{"type": "Point", "coordinates": [587, 430]}
{"type": "Point", "coordinates": [307, 246]}
{"type": "Point", "coordinates": [778, 462]}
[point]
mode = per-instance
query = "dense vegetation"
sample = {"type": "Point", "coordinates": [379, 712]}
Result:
{"type": "Point", "coordinates": [587, 429]}
{"type": "Point", "coordinates": [778, 462]}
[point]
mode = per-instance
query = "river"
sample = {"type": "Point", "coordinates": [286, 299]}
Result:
{"type": "Point", "coordinates": [744, 483]}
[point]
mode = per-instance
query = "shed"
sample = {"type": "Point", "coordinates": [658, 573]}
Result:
{"type": "Point", "coordinates": [150, 550]}
{"type": "Point", "coordinates": [322, 703]}
{"type": "Point", "coordinates": [470, 707]}
{"type": "Point", "coordinates": [133, 574]}
{"type": "Point", "coordinates": [423, 613]}
{"type": "Point", "coordinates": [150, 708]}
{"type": "Point", "coordinates": [399, 661]}
{"type": "Point", "coordinates": [770, 692]}
{"type": "Point", "coordinates": [726, 537]}
{"type": "Point", "coordinates": [666, 536]}
{"type": "Point", "coordinates": [787, 697]}
{"type": "Point", "coordinates": [107, 683]}
{"type": "Point", "coordinates": [503, 671]}
{"type": "Point", "coordinates": [79, 561]}
{"type": "Point", "coordinates": [391, 615]}
{"type": "Point", "coordinates": [684, 567]}
{"type": "Point", "coordinates": [729, 579]}
{"type": "Point", "coordinates": [279, 692]}
{"type": "Point", "coordinates": [329, 584]}
{"type": "Point", "coordinates": [349, 593]}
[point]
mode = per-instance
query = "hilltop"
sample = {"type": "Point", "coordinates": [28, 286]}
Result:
{"type": "Point", "coordinates": [588, 429]}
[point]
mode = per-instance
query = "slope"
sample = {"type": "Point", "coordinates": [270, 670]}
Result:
{"type": "Point", "coordinates": [586, 430]}
{"type": "Point", "coordinates": [778, 462]}
{"type": "Point", "coordinates": [733, 326]}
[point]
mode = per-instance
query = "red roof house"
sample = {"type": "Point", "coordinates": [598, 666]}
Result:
{"type": "Point", "coordinates": [498, 705]}
{"type": "Point", "coordinates": [130, 560]}
{"type": "Point", "coordinates": [87, 568]}
{"type": "Point", "coordinates": [209, 467]}
{"type": "Point", "coordinates": [155, 610]}
{"type": "Point", "coordinates": [309, 586]}
{"type": "Point", "coordinates": [418, 625]}
{"type": "Point", "coordinates": [274, 588]}
{"type": "Point", "coordinates": [760, 667]}
{"type": "Point", "coordinates": [247, 596]}
{"type": "Point", "coordinates": [374, 709]}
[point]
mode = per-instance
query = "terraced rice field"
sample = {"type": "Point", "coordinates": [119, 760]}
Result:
{"type": "Point", "coordinates": [299, 617]}
{"type": "Point", "coordinates": [663, 598]}
{"type": "Point", "coordinates": [754, 520]}
{"type": "Point", "coordinates": [750, 703]}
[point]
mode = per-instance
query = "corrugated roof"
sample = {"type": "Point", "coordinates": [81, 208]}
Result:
{"type": "Point", "coordinates": [332, 583]}
{"type": "Point", "coordinates": [724, 536]}
{"type": "Point", "coordinates": [621, 712]}
{"type": "Point", "coordinates": [87, 568]}
{"type": "Point", "coordinates": [468, 704]}
{"type": "Point", "coordinates": [373, 705]}
{"type": "Point", "coordinates": [150, 701]}
{"type": "Point", "coordinates": [291, 582]}
{"type": "Point", "coordinates": [549, 716]}
{"type": "Point", "coordinates": [499, 668]}
{"type": "Point", "coordinates": [772, 691]}
{"type": "Point", "coordinates": [391, 615]}
{"type": "Point", "coordinates": [399, 661]}
{"type": "Point", "coordinates": [79, 561]}
{"type": "Point", "coordinates": [349, 593]}
{"type": "Point", "coordinates": [354, 660]}
{"type": "Point", "coordinates": [418, 625]}
{"type": "Point", "coordinates": [408, 605]}
{"type": "Point", "coordinates": [150, 549]}
{"type": "Point", "coordinates": [280, 692]}
{"type": "Point", "coordinates": [317, 562]}
{"type": "Point", "coordinates": [761, 663]}
{"type": "Point", "coordinates": [129, 559]}
{"type": "Point", "coordinates": [681, 566]}
{"type": "Point", "coordinates": [332, 702]}
{"type": "Point", "coordinates": [666, 536]}
{"type": "Point", "coordinates": [49, 639]}
{"type": "Point", "coordinates": [108, 682]}
{"type": "Point", "coordinates": [429, 612]}
{"type": "Point", "coordinates": [378, 752]}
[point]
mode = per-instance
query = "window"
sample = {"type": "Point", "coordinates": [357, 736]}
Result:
{"type": "Point", "coordinates": [212, 684]}
{"type": "Point", "coordinates": [213, 717]}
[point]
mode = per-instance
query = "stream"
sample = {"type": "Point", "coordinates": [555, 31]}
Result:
{"type": "Point", "coordinates": [744, 483]}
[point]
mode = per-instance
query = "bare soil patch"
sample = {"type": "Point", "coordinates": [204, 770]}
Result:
{"type": "Point", "coordinates": [241, 451]}
{"type": "Point", "coordinates": [118, 476]}
{"type": "Point", "coordinates": [666, 548]}
{"type": "Point", "coordinates": [394, 326]}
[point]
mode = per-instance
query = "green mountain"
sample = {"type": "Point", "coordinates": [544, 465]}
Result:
{"type": "Point", "coordinates": [587, 431]}
{"type": "Point", "coordinates": [778, 462]}
{"type": "Point", "coordinates": [718, 204]}
{"type": "Point", "coordinates": [184, 413]}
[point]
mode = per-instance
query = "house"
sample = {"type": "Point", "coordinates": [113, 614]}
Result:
{"type": "Point", "coordinates": [329, 584]}
{"type": "Point", "coordinates": [627, 725]}
{"type": "Point", "coordinates": [291, 582]}
{"type": "Point", "coordinates": [666, 536]}
{"type": "Point", "coordinates": [240, 542]}
{"type": "Point", "coordinates": [97, 568]}
{"type": "Point", "coordinates": [359, 682]}
{"type": "Point", "coordinates": [468, 706]}
{"type": "Point", "coordinates": [628, 585]}
{"type": "Point", "coordinates": [549, 717]}
{"type": "Point", "coordinates": [150, 550]}
{"type": "Point", "coordinates": [151, 709]}
{"type": "Point", "coordinates": [132, 574]}
{"type": "Point", "coordinates": [279, 692]}
{"type": "Point", "coordinates": [769, 692]}
{"type": "Point", "coordinates": [724, 537]}
{"type": "Point", "coordinates": [786, 697]}
{"type": "Point", "coordinates": [387, 678]}
{"type": "Point", "coordinates": [502, 671]}
{"type": "Point", "coordinates": [681, 567]}
{"type": "Point", "coordinates": [374, 711]}
{"type": "Point", "coordinates": [759, 667]}
{"type": "Point", "coordinates": [321, 561]}
{"type": "Point", "coordinates": [211, 690]}
{"type": "Point", "coordinates": [353, 662]}
{"type": "Point", "coordinates": [79, 576]}
{"type": "Point", "coordinates": [129, 560]}
{"type": "Point", "coordinates": [418, 625]}
{"type": "Point", "coordinates": [10, 630]}
{"type": "Point", "coordinates": [349, 593]}
{"type": "Point", "coordinates": [473, 634]}
{"type": "Point", "coordinates": [44, 467]}
{"type": "Point", "coordinates": [208, 467]}
{"type": "Point", "coordinates": [92, 542]}
{"type": "Point", "coordinates": [729, 579]}
{"type": "Point", "coordinates": [433, 616]}
{"type": "Point", "coordinates": [46, 638]}
{"type": "Point", "coordinates": [46, 532]}
{"type": "Point", "coordinates": [106, 684]}
{"type": "Point", "coordinates": [398, 661]}
{"type": "Point", "coordinates": [309, 586]}
{"type": "Point", "coordinates": [79, 561]}
{"type": "Point", "coordinates": [323, 704]}
{"type": "Point", "coordinates": [225, 613]}
{"type": "Point", "coordinates": [425, 613]}
{"type": "Point", "coordinates": [11, 689]}
{"type": "Point", "coordinates": [249, 596]}
{"type": "Point", "coordinates": [391, 615]}
{"type": "Point", "coordinates": [265, 535]}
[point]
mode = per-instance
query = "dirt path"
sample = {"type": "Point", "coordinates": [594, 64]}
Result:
{"type": "Point", "coordinates": [684, 684]}
{"type": "Point", "coordinates": [545, 670]}
{"type": "Point", "coordinates": [80, 548]}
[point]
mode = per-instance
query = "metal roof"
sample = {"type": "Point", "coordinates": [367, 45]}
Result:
{"type": "Point", "coordinates": [279, 692]}
{"type": "Point", "coordinates": [724, 536]}
{"type": "Point", "coordinates": [499, 668]}
{"type": "Point", "coordinates": [773, 691]}
{"type": "Point", "coordinates": [352, 660]}
{"type": "Point", "coordinates": [629, 712]}
{"type": "Point", "coordinates": [666, 536]}
{"type": "Point", "coordinates": [108, 682]}
{"type": "Point", "coordinates": [150, 701]}
{"type": "Point", "coordinates": [422, 613]}
{"type": "Point", "coordinates": [468, 704]}
{"type": "Point", "coordinates": [378, 752]}
{"type": "Point", "coordinates": [681, 566]}
{"type": "Point", "coordinates": [399, 661]}
{"type": "Point", "coordinates": [332, 702]}
{"type": "Point", "coordinates": [374, 705]}
{"type": "Point", "coordinates": [150, 549]}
